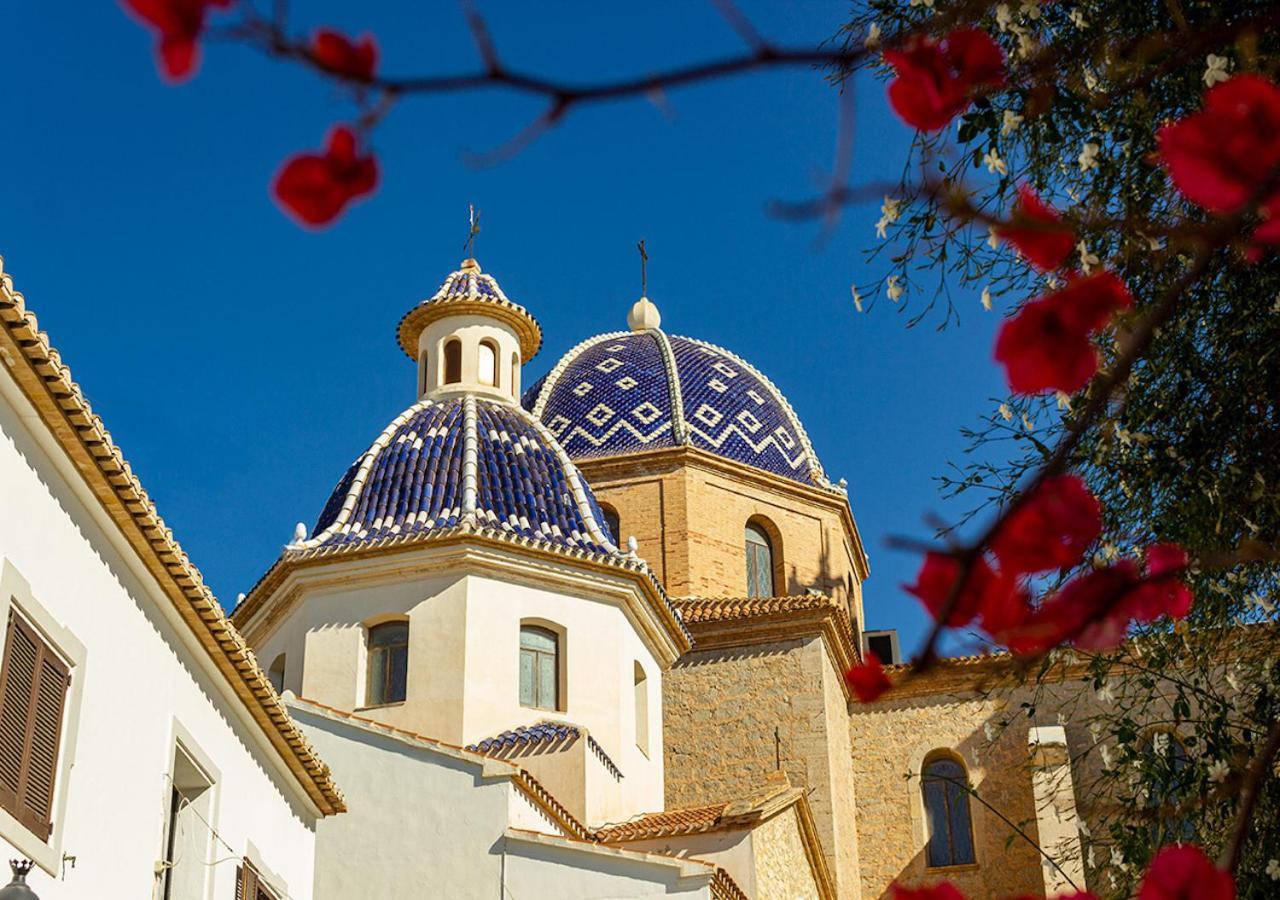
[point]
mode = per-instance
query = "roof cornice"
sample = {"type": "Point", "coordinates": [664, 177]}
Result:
{"type": "Point", "coordinates": [272, 597]}
{"type": "Point", "coordinates": [37, 368]}
{"type": "Point", "coordinates": [726, 623]}
{"type": "Point", "coordinates": [622, 464]}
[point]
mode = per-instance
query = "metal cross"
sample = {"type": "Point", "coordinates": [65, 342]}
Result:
{"type": "Point", "coordinates": [644, 258]}
{"type": "Point", "coordinates": [473, 230]}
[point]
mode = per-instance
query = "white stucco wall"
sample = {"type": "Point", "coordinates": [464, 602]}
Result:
{"type": "Point", "coordinates": [141, 684]}
{"type": "Point", "coordinates": [463, 671]}
{"type": "Point", "coordinates": [426, 822]}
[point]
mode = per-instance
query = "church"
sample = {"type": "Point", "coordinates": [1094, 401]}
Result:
{"type": "Point", "coordinates": [581, 638]}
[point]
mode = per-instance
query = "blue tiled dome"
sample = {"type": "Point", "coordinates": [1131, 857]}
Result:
{"type": "Point", "coordinates": [628, 391]}
{"type": "Point", "coordinates": [463, 460]}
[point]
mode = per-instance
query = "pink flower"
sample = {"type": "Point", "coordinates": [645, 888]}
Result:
{"type": "Point", "coordinates": [1185, 873]}
{"type": "Point", "coordinates": [1051, 529]}
{"type": "Point", "coordinates": [1047, 345]}
{"type": "Point", "coordinates": [935, 81]}
{"type": "Point", "coordinates": [316, 187]}
{"type": "Point", "coordinates": [178, 24]}
{"type": "Point", "coordinates": [337, 53]}
{"type": "Point", "coordinates": [1037, 232]}
{"type": "Point", "coordinates": [867, 679]}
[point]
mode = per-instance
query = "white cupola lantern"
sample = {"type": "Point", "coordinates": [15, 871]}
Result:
{"type": "Point", "coordinates": [469, 338]}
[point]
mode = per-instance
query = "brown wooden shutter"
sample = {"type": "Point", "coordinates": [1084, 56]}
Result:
{"type": "Point", "coordinates": [249, 886]}
{"type": "Point", "coordinates": [33, 691]}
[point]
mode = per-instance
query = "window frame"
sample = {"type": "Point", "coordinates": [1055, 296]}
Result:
{"type": "Point", "coordinates": [769, 543]}
{"type": "Point", "coordinates": [491, 346]}
{"type": "Point", "coordinates": [556, 655]}
{"type": "Point", "coordinates": [15, 592]}
{"type": "Point", "coordinates": [372, 654]}
{"type": "Point", "coordinates": [948, 784]}
{"type": "Point", "coordinates": [641, 698]}
{"type": "Point", "coordinates": [451, 355]}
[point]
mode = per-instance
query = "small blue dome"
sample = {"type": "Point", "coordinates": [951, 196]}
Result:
{"type": "Point", "coordinates": [463, 460]}
{"type": "Point", "coordinates": [641, 390]}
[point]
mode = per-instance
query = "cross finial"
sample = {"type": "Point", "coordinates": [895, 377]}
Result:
{"type": "Point", "coordinates": [644, 258]}
{"type": "Point", "coordinates": [473, 230]}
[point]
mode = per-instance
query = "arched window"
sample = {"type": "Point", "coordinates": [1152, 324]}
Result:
{"type": "Point", "coordinates": [1170, 784]}
{"type": "Point", "coordinates": [642, 709]}
{"type": "Point", "coordinates": [388, 663]}
{"type": "Point", "coordinates": [422, 373]}
{"type": "Point", "coordinates": [612, 523]}
{"type": "Point", "coordinates": [759, 562]}
{"type": "Point", "coordinates": [276, 674]}
{"type": "Point", "coordinates": [515, 373]}
{"type": "Point", "coordinates": [946, 808]}
{"type": "Point", "coordinates": [539, 667]}
{"type": "Point", "coordinates": [487, 363]}
{"type": "Point", "coordinates": [452, 361]}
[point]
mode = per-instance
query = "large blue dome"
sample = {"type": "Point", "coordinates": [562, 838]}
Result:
{"type": "Point", "coordinates": [458, 461]}
{"type": "Point", "coordinates": [640, 390]}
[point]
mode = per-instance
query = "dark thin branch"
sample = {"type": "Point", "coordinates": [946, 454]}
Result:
{"type": "Point", "coordinates": [1250, 790]}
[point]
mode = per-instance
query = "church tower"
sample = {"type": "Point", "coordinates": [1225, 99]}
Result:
{"type": "Point", "coordinates": [461, 583]}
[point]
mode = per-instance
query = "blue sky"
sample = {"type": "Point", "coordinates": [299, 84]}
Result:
{"type": "Point", "coordinates": [242, 363]}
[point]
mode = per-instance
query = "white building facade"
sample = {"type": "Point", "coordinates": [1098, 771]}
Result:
{"type": "Point", "coordinates": [142, 753]}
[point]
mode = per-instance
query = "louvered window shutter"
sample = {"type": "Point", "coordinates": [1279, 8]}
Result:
{"type": "Point", "coordinates": [33, 691]}
{"type": "Point", "coordinates": [249, 886]}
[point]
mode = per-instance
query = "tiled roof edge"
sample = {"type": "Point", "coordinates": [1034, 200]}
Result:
{"type": "Point", "coordinates": [64, 399]}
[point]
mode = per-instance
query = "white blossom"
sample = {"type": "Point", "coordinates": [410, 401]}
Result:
{"type": "Point", "coordinates": [993, 240]}
{"type": "Point", "coordinates": [1026, 43]}
{"type": "Point", "coordinates": [1084, 828]}
{"type": "Point", "coordinates": [1090, 79]}
{"type": "Point", "coordinates": [1117, 857]}
{"type": "Point", "coordinates": [1233, 679]}
{"type": "Point", "coordinates": [989, 729]}
{"type": "Point", "coordinates": [1092, 857]}
{"type": "Point", "coordinates": [1064, 401]}
{"type": "Point", "coordinates": [986, 299]}
{"type": "Point", "coordinates": [1087, 259]}
{"type": "Point", "coordinates": [1218, 770]}
{"type": "Point", "coordinates": [873, 36]}
{"type": "Point", "coordinates": [1089, 157]}
{"type": "Point", "coordinates": [994, 164]}
{"type": "Point", "coordinates": [1026, 423]}
{"type": "Point", "coordinates": [1095, 731]}
{"type": "Point", "coordinates": [857, 298]}
{"type": "Point", "coordinates": [890, 211]}
{"type": "Point", "coordinates": [928, 3]}
{"type": "Point", "coordinates": [1005, 412]}
{"type": "Point", "coordinates": [892, 289]}
{"type": "Point", "coordinates": [1031, 9]}
{"type": "Point", "coordinates": [1216, 69]}
{"type": "Point", "coordinates": [1273, 869]}
{"type": "Point", "coordinates": [1108, 758]}
{"type": "Point", "coordinates": [1011, 122]}
{"type": "Point", "coordinates": [1106, 694]}
{"type": "Point", "coordinates": [1003, 17]}
{"type": "Point", "coordinates": [1077, 18]}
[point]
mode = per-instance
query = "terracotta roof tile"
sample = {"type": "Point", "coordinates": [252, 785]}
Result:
{"type": "Point", "coordinates": [676, 821]}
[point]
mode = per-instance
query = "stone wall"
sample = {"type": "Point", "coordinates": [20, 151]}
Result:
{"type": "Point", "coordinates": [722, 708]}
{"type": "Point", "coordinates": [783, 871]}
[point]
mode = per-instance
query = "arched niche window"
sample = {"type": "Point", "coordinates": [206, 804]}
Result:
{"type": "Point", "coordinates": [422, 372]}
{"type": "Point", "coordinates": [388, 663]}
{"type": "Point", "coordinates": [275, 674]}
{"type": "Point", "coordinates": [1170, 784]}
{"type": "Point", "coordinates": [539, 667]}
{"type": "Point", "coordinates": [945, 785]}
{"type": "Point", "coordinates": [612, 523]}
{"type": "Point", "coordinates": [487, 363]}
{"type": "Point", "coordinates": [515, 372]}
{"type": "Point", "coordinates": [452, 361]}
{"type": "Point", "coordinates": [642, 708]}
{"type": "Point", "coordinates": [761, 561]}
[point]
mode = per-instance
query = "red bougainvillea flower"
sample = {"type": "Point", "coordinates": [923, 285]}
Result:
{"type": "Point", "coordinates": [867, 678]}
{"type": "Point", "coordinates": [1185, 873]}
{"type": "Point", "coordinates": [1047, 345]}
{"type": "Point", "coordinates": [1094, 610]}
{"type": "Point", "coordinates": [315, 187]}
{"type": "Point", "coordinates": [1223, 155]}
{"type": "Point", "coordinates": [178, 24]}
{"type": "Point", "coordinates": [1051, 529]}
{"type": "Point", "coordinates": [337, 53]}
{"type": "Point", "coordinates": [936, 81]}
{"type": "Point", "coordinates": [986, 593]}
{"type": "Point", "coordinates": [943, 890]}
{"type": "Point", "coordinates": [1037, 232]}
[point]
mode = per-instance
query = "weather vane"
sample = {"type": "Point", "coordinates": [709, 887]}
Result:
{"type": "Point", "coordinates": [473, 230]}
{"type": "Point", "coordinates": [644, 258]}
